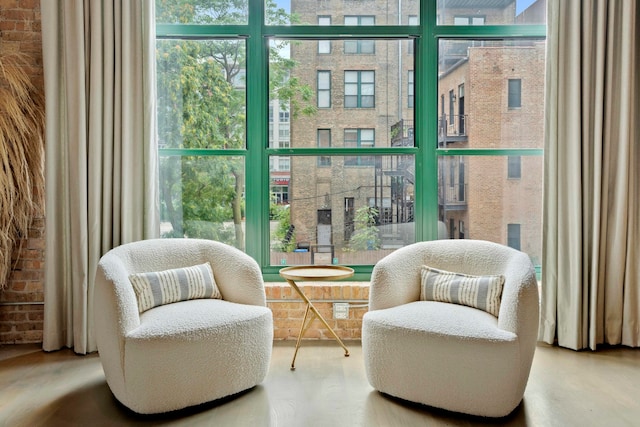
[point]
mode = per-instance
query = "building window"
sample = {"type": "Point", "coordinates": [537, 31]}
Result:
{"type": "Point", "coordinates": [515, 94]}
{"type": "Point", "coordinates": [359, 46]}
{"type": "Point", "coordinates": [280, 193]}
{"type": "Point", "coordinates": [514, 167]}
{"type": "Point", "coordinates": [359, 138]}
{"type": "Point", "coordinates": [452, 104]}
{"type": "Point", "coordinates": [413, 20]}
{"type": "Point", "coordinates": [324, 46]}
{"type": "Point", "coordinates": [443, 117]}
{"type": "Point", "coordinates": [324, 141]}
{"type": "Point", "coordinates": [461, 112]}
{"type": "Point", "coordinates": [349, 216]}
{"type": "Point", "coordinates": [324, 89]}
{"type": "Point", "coordinates": [513, 236]}
{"type": "Point", "coordinates": [410, 90]}
{"type": "Point", "coordinates": [452, 173]}
{"type": "Point", "coordinates": [468, 20]}
{"type": "Point", "coordinates": [284, 132]}
{"type": "Point", "coordinates": [359, 89]}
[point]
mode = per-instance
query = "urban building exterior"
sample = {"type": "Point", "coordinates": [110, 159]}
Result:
{"type": "Point", "coordinates": [490, 96]}
{"type": "Point", "coordinates": [493, 98]}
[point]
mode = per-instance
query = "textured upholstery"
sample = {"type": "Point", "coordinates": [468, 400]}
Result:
{"type": "Point", "coordinates": [447, 355]}
{"type": "Point", "coordinates": [188, 352]}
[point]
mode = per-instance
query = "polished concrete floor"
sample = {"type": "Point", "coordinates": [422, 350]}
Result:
{"type": "Point", "coordinates": [566, 388]}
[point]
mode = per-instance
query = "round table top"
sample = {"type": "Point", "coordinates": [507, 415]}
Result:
{"type": "Point", "coordinates": [316, 272]}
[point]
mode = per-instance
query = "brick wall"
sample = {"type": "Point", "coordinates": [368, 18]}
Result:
{"type": "Point", "coordinates": [288, 309]}
{"type": "Point", "coordinates": [21, 308]}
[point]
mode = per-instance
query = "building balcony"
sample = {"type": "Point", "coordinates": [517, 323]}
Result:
{"type": "Point", "coordinates": [452, 128]}
{"type": "Point", "coordinates": [453, 197]}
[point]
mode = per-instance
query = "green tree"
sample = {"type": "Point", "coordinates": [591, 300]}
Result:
{"type": "Point", "coordinates": [366, 235]}
{"type": "Point", "coordinates": [284, 234]}
{"type": "Point", "coordinates": [201, 105]}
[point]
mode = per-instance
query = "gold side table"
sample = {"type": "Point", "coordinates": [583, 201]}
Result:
{"type": "Point", "coordinates": [316, 273]}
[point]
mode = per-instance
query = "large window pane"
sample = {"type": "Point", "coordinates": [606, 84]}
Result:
{"type": "Point", "coordinates": [496, 12]}
{"type": "Point", "coordinates": [203, 197]}
{"type": "Point", "coordinates": [201, 93]}
{"type": "Point", "coordinates": [479, 200]}
{"type": "Point", "coordinates": [219, 12]}
{"type": "Point", "coordinates": [338, 91]}
{"type": "Point", "coordinates": [491, 94]}
{"type": "Point", "coordinates": [305, 12]}
{"type": "Point", "coordinates": [337, 214]}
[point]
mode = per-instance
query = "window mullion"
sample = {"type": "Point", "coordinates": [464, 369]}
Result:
{"type": "Point", "coordinates": [426, 106]}
{"type": "Point", "coordinates": [257, 163]}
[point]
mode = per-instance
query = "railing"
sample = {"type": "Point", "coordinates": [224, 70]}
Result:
{"type": "Point", "coordinates": [402, 134]}
{"type": "Point", "coordinates": [453, 125]}
{"type": "Point", "coordinates": [453, 194]}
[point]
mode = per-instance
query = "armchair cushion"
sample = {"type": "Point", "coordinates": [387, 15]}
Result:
{"type": "Point", "coordinates": [481, 292]}
{"type": "Point", "coordinates": [179, 284]}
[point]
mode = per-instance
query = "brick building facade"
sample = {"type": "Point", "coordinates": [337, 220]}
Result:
{"type": "Point", "coordinates": [489, 197]}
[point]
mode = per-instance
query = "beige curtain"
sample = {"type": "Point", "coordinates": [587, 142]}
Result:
{"type": "Point", "coordinates": [101, 167]}
{"type": "Point", "coordinates": [591, 255]}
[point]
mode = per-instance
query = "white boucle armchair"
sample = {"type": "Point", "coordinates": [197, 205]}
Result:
{"type": "Point", "coordinates": [183, 353]}
{"type": "Point", "coordinates": [446, 355]}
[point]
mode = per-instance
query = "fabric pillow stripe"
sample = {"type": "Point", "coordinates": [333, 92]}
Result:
{"type": "Point", "coordinates": [180, 284]}
{"type": "Point", "coordinates": [481, 292]}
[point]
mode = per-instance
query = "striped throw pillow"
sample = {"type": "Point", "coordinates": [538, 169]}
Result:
{"type": "Point", "coordinates": [482, 292]}
{"type": "Point", "coordinates": [179, 284]}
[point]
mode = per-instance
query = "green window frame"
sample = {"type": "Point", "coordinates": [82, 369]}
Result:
{"type": "Point", "coordinates": [257, 152]}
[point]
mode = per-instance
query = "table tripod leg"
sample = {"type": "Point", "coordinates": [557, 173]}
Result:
{"type": "Point", "coordinates": [319, 316]}
{"type": "Point", "coordinates": [303, 328]}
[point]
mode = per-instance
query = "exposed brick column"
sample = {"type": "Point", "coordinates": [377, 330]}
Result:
{"type": "Point", "coordinates": [21, 302]}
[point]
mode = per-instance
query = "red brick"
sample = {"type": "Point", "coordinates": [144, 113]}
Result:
{"type": "Point", "coordinates": [7, 25]}
{"type": "Point", "coordinates": [9, 4]}
{"type": "Point", "coordinates": [25, 326]}
{"type": "Point", "coordinates": [18, 14]}
{"type": "Point", "coordinates": [13, 316]}
{"type": "Point", "coordinates": [30, 4]}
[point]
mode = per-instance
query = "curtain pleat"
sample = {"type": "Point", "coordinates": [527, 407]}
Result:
{"type": "Point", "coordinates": [101, 157]}
{"type": "Point", "coordinates": [590, 227]}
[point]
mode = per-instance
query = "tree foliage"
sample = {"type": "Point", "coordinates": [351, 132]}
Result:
{"type": "Point", "coordinates": [202, 105]}
{"type": "Point", "coordinates": [366, 235]}
{"type": "Point", "coordinates": [284, 234]}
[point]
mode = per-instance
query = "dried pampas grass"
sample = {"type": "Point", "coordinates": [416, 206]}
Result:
{"type": "Point", "coordinates": [21, 155]}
